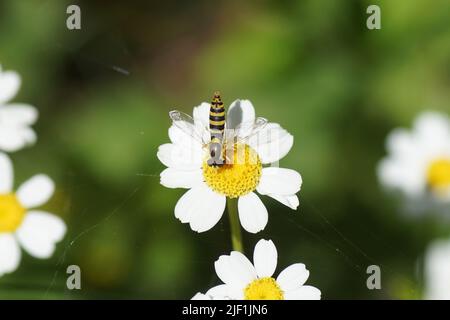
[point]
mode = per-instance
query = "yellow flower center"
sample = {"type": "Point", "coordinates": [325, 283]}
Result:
{"type": "Point", "coordinates": [11, 213]}
{"type": "Point", "coordinates": [263, 289]}
{"type": "Point", "coordinates": [238, 176]}
{"type": "Point", "coordinates": [439, 174]}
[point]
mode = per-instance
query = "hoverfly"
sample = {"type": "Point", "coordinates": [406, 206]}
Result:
{"type": "Point", "coordinates": [215, 134]}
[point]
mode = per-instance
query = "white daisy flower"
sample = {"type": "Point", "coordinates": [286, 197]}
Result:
{"type": "Point", "coordinates": [244, 280]}
{"type": "Point", "coordinates": [35, 231]}
{"type": "Point", "coordinates": [418, 161]}
{"type": "Point", "coordinates": [15, 118]}
{"type": "Point", "coordinates": [437, 271]}
{"type": "Point", "coordinates": [203, 204]}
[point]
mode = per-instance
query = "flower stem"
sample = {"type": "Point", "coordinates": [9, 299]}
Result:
{"type": "Point", "coordinates": [235, 227]}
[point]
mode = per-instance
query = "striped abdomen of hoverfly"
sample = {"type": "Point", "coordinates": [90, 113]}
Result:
{"type": "Point", "coordinates": [216, 128]}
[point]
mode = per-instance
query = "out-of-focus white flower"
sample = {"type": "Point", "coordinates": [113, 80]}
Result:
{"type": "Point", "coordinates": [15, 118]}
{"type": "Point", "coordinates": [203, 204]}
{"type": "Point", "coordinates": [418, 161]}
{"type": "Point", "coordinates": [437, 271]}
{"type": "Point", "coordinates": [244, 280]}
{"type": "Point", "coordinates": [35, 231]}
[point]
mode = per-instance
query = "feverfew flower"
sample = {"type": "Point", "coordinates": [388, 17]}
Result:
{"type": "Point", "coordinates": [418, 161]}
{"type": "Point", "coordinates": [244, 280]}
{"type": "Point", "coordinates": [15, 118]}
{"type": "Point", "coordinates": [34, 230]}
{"type": "Point", "coordinates": [437, 271]}
{"type": "Point", "coordinates": [203, 204]}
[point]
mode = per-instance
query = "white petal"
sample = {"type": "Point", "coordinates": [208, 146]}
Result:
{"type": "Point", "coordinates": [265, 258]}
{"type": "Point", "coordinates": [432, 132]}
{"type": "Point", "coordinates": [201, 121]}
{"type": "Point", "coordinates": [201, 115]}
{"type": "Point", "coordinates": [219, 292]}
{"type": "Point", "coordinates": [252, 213]}
{"type": "Point", "coordinates": [240, 111]}
{"type": "Point", "coordinates": [272, 143]}
{"type": "Point", "coordinates": [432, 125]}
{"type": "Point", "coordinates": [180, 157]}
{"type": "Point", "coordinates": [400, 142]}
{"type": "Point", "coordinates": [437, 270]}
{"type": "Point", "coordinates": [6, 174]}
{"type": "Point", "coordinates": [243, 266]}
{"type": "Point", "coordinates": [279, 181]}
{"type": "Point", "coordinates": [9, 85]}
{"type": "Point", "coordinates": [201, 296]}
{"type": "Point", "coordinates": [28, 135]}
{"type": "Point", "coordinates": [166, 155]}
{"type": "Point", "coordinates": [235, 270]}
{"type": "Point", "coordinates": [9, 253]}
{"type": "Point", "coordinates": [223, 270]}
{"type": "Point", "coordinates": [10, 138]}
{"type": "Point", "coordinates": [201, 207]}
{"type": "Point", "coordinates": [190, 137]}
{"type": "Point", "coordinates": [406, 175]}
{"type": "Point", "coordinates": [303, 293]}
{"type": "Point", "coordinates": [39, 233]}
{"type": "Point", "coordinates": [236, 292]}
{"type": "Point", "coordinates": [293, 277]}
{"type": "Point", "coordinates": [290, 201]}
{"type": "Point", "coordinates": [18, 114]}
{"type": "Point", "coordinates": [174, 178]}
{"type": "Point", "coordinates": [14, 138]}
{"type": "Point", "coordinates": [36, 191]}
{"type": "Point", "coordinates": [178, 136]}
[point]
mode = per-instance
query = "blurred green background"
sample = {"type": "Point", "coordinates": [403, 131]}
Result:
{"type": "Point", "coordinates": [104, 93]}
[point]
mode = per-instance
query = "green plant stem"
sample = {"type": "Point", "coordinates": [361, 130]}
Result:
{"type": "Point", "coordinates": [235, 227]}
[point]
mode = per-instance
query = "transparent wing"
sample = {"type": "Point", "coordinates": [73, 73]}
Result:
{"type": "Point", "coordinates": [245, 130]}
{"type": "Point", "coordinates": [195, 129]}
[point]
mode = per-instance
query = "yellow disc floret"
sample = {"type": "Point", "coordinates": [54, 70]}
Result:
{"type": "Point", "coordinates": [11, 213]}
{"type": "Point", "coordinates": [439, 174]}
{"type": "Point", "coordinates": [238, 176]}
{"type": "Point", "coordinates": [263, 289]}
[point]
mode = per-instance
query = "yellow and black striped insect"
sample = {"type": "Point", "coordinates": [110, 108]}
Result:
{"type": "Point", "coordinates": [217, 129]}
{"type": "Point", "coordinates": [214, 133]}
